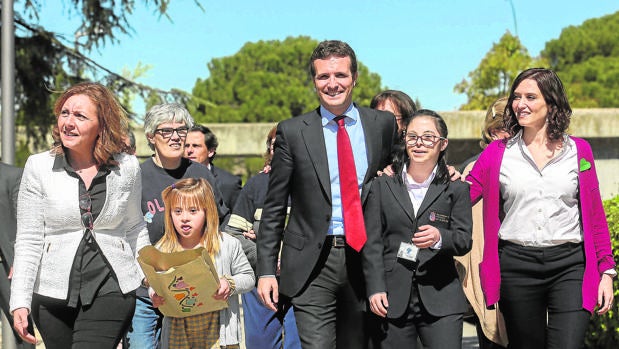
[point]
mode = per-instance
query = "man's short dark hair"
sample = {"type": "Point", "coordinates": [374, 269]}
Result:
{"type": "Point", "coordinates": [209, 137]}
{"type": "Point", "coordinates": [330, 48]}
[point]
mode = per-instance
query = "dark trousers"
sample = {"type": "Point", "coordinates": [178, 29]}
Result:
{"type": "Point", "coordinates": [328, 313]}
{"type": "Point", "coordinates": [97, 326]}
{"type": "Point", "coordinates": [541, 295]}
{"type": "Point", "coordinates": [417, 324]}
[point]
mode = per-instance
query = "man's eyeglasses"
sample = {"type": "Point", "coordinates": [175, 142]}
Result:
{"type": "Point", "coordinates": [87, 218]}
{"type": "Point", "coordinates": [426, 140]}
{"type": "Point", "coordinates": [167, 132]}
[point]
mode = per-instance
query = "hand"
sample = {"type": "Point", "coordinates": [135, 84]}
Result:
{"type": "Point", "coordinates": [386, 171]}
{"type": "Point", "coordinates": [454, 175]}
{"type": "Point", "coordinates": [10, 276]}
{"type": "Point", "coordinates": [251, 235]}
{"type": "Point", "coordinates": [224, 291]}
{"type": "Point", "coordinates": [155, 298]}
{"type": "Point", "coordinates": [605, 294]}
{"type": "Point", "coordinates": [268, 291]}
{"type": "Point", "coordinates": [426, 237]}
{"type": "Point", "coordinates": [466, 171]}
{"type": "Point", "coordinates": [20, 324]}
{"type": "Point", "coordinates": [379, 304]}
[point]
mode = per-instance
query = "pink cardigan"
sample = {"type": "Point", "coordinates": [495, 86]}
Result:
{"type": "Point", "coordinates": [484, 179]}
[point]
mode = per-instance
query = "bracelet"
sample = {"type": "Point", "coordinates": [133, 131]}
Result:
{"type": "Point", "coordinates": [231, 283]}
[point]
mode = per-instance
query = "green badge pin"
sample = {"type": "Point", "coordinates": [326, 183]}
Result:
{"type": "Point", "coordinates": [584, 165]}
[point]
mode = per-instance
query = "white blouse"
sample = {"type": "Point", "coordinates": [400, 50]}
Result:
{"type": "Point", "coordinates": [541, 206]}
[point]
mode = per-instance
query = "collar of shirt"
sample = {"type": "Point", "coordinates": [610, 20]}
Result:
{"type": "Point", "coordinates": [327, 117]}
{"type": "Point", "coordinates": [519, 141]}
{"type": "Point", "coordinates": [410, 182]}
{"type": "Point", "coordinates": [61, 163]}
{"type": "Point", "coordinates": [514, 140]}
{"type": "Point", "coordinates": [417, 191]}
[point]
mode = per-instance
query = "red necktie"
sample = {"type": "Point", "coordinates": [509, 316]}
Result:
{"type": "Point", "coordinates": [354, 226]}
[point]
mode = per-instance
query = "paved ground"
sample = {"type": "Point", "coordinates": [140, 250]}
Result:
{"type": "Point", "coordinates": [469, 338]}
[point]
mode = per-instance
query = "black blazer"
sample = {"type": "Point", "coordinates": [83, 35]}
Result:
{"type": "Point", "coordinates": [389, 221]}
{"type": "Point", "coordinates": [10, 178]}
{"type": "Point", "coordinates": [300, 170]}
{"type": "Point", "coordinates": [229, 185]}
{"type": "Point", "coordinates": [9, 187]}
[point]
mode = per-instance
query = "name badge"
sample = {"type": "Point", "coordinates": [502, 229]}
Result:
{"type": "Point", "coordinates": [408, 251]}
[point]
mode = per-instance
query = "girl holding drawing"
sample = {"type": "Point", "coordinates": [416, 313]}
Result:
{"type": "Point", "coordinates": [191, 221]}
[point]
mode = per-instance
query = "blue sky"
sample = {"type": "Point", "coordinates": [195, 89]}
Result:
{"type": "Point", "coordinates": [422, 47]}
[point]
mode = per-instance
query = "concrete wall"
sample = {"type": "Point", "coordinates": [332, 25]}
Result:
{"type": "Point", "coordinates": [238, 139]}
{"type": "Point", "coordinates": [599, 126]}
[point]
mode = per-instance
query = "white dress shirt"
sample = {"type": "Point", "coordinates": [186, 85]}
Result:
{"type": "Point", "coordinates": [417, 192]}
{"type": "Point", "coordinates": [354, 128]}
{"type": "Point", "coordinates": [541, 205]}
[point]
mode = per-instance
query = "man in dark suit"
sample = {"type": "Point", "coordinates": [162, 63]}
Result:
{"type": "Point", "coordinates": [9, 187]}
{"type": "Point", "coordinates": [320, 273]}
{"type": "Point", "coordinates": [201, 146]}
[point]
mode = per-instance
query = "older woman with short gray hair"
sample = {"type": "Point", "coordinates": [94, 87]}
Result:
{"type": "Point", "coordinates": [166, 127]}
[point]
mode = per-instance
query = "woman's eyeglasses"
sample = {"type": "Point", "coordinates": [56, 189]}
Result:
{"type": "Point", "coordinates": [426, 140]}
{"type": "Point", "coordinates": [167, 132]}
{"type": "Point", "coordinates": [87, 218]}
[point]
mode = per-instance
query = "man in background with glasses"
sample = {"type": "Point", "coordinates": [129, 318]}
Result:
{"type": "Point", "coordinates": [166, 127]}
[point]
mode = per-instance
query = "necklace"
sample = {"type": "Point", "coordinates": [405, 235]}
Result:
{"type": "Point", "coordinates": [82, 168]}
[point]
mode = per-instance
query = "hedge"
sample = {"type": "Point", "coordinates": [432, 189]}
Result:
{"type": "Point", "coordinates": [603, 330]}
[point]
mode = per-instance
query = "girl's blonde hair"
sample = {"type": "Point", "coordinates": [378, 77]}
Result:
{"type": "Point", "coordinates": [493, 122]}
{"type": "Point", "coordinates": [186, 193]}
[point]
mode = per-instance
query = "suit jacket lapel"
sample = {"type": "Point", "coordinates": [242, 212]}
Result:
{"type": "Point", "coordinates": [314, 140]}
{"type": "Point", "coordinates": [372, 143]}
{"type": "Point", "coordinates": [401, 195]}
{"type": "Point", "coordinates": [434, 191]}
{"type": "Point", "coordinates": [431, 195]}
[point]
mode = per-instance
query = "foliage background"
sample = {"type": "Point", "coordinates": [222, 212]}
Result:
{"type": "Point", "coordinates": [266, 81]}
{"type": "Point", "coordinates": [603, 330]}
{"type": "Point", "coordinates": [586, 58]}
{"type": "Point", "coordinates": [47, 63]}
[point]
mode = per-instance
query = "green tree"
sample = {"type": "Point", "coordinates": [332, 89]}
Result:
{"type": "Point", "coordinates": [494, 74]}
{"type": "Point", "coordinates": [266, 81]}
{"type": "Point", "coordinates": [586, 57]}
{"type": "Point", "coordinates": [46, 62]}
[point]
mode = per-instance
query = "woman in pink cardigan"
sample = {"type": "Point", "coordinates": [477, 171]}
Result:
{"type": "Point", "coordinates": [547, 254]}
